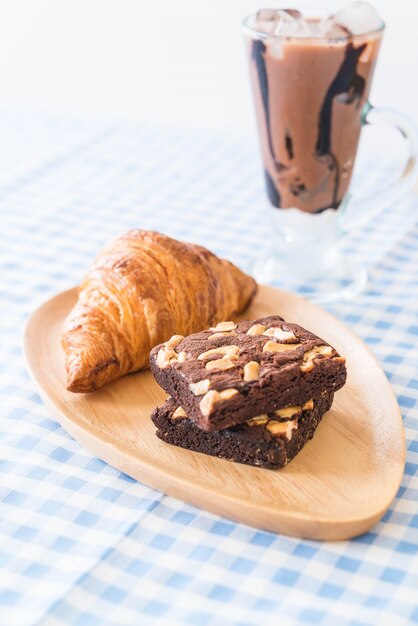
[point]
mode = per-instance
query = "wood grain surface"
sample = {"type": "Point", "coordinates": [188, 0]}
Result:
{"type": "Point", "coordinates": [339, 485]}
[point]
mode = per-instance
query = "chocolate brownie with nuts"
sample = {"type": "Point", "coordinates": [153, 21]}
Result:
{"type": "Point", "coordinates": [231, 372]}
{"type": "Point", "coordinates": [265, 440]}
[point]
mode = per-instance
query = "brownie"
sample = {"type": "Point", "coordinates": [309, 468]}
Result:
{"type": "Point", "coordinates": [228, 374]}
{"type": "Point", "coordinates": [266, 440]}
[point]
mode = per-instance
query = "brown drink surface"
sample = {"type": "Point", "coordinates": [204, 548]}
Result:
{"type": "Point", "coordinates": [309, 95]}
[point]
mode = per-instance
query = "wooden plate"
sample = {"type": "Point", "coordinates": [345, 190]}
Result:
{"type": "Point", "coordinates": [339, 485]}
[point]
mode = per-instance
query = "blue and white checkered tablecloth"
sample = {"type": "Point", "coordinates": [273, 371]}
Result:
{"type": "Point", "coordinates": [83, 544]}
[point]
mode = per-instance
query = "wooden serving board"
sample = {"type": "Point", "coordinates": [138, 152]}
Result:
{"type": "Point", "coordinates": [338, 486]}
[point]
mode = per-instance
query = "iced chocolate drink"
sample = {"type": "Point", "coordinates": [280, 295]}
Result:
{"type": "Point", "coordinates": [311, 79]}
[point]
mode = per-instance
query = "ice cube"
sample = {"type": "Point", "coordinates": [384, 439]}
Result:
{"type": "Point", "coordinates": [266, 20]}
{"type": "Point", "coordinates": [266, 15]}
{"type": "Point", "coordinates": [290, 23]}
{"type": "Point", "coordinates": [294, 13]}
{"type": "Point", "coordinates": [358, 18]}
{"type": "Point", "coordinates": [328, 27]}
{"type": "Point", "coordinates": [265, 26]}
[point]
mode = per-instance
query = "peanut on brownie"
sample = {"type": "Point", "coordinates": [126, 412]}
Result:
{"type": "Point", "coordinates": [227, 374]}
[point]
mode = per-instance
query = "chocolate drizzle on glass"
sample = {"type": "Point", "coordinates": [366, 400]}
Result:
{"type": "Point", "coordinates": [258, 52]}
{"type": "Point", "coordinates": [272, 192]}
{"type": "Point", "coordinates": [348, 86]}
{"type": "Point", "coordinates": [288, 144]}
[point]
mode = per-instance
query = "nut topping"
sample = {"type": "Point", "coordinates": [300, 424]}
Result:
{"type": "Point", "coordinates": [308, 406]}
{"type": "Point", "coordinates": [258, 420]}
{"type": "Point", "coordinates": [227, 351]}
{"type": "Point", "coordinates": [207, 403]}
{"type": "Point", "coordinates": [165, 356]}
{"type": "Point", "coordinates": [279, 333]}
{"type": "Point", "coordinates": [200, 388]}
{"type": "Point", "coordinates": [174, 341]}
{"type": "Point", "coordinates": [221, 364]}
{"type": "Point", "coordinates": [227, 394]}
{"type": "Point", "coordinates": [223, 334]}
{"type": "Point", "coordinates": [288, 412]}
{"type": "Point", "coordinates": [223, 326]}
{"type": "Point", "coordinates": [251, 371]}
{"type": "Point", "coordinates": [273, 346]}
{"type": "Point", "coordinates": [310, 356]}
{"type": "Point", "coordinates": [282, 428]}
{"type": "Point", "coordinates": [212, 397]}
{"type": "Point", "coordinates": [179, 413]}
{"type": "Point", "coordinates": [181, 357]}
{"type": "Point", "coordinates": [256, 329]}
{"type": "Point", "coordinates": [276, 428]}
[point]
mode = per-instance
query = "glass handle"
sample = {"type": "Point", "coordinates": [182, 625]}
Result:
{"type": "Point", "coordinates": [359, 209]}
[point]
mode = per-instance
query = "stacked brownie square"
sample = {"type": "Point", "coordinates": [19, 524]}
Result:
{"type": "Point", "coordinates": [252, 392]}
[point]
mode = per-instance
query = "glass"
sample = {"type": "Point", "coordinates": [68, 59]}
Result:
{"type": "Point", "coordinates": [311, 101]}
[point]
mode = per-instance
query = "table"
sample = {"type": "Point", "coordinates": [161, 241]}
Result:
{"type": "Point", "coordinates": [83, 544]}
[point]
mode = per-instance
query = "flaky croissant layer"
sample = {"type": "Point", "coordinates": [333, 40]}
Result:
{"type": "Point", "coordinates": [143, 288]}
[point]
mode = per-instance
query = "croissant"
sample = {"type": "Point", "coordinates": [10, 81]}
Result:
{"type": "Point", "coordinates": [143, 288]}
